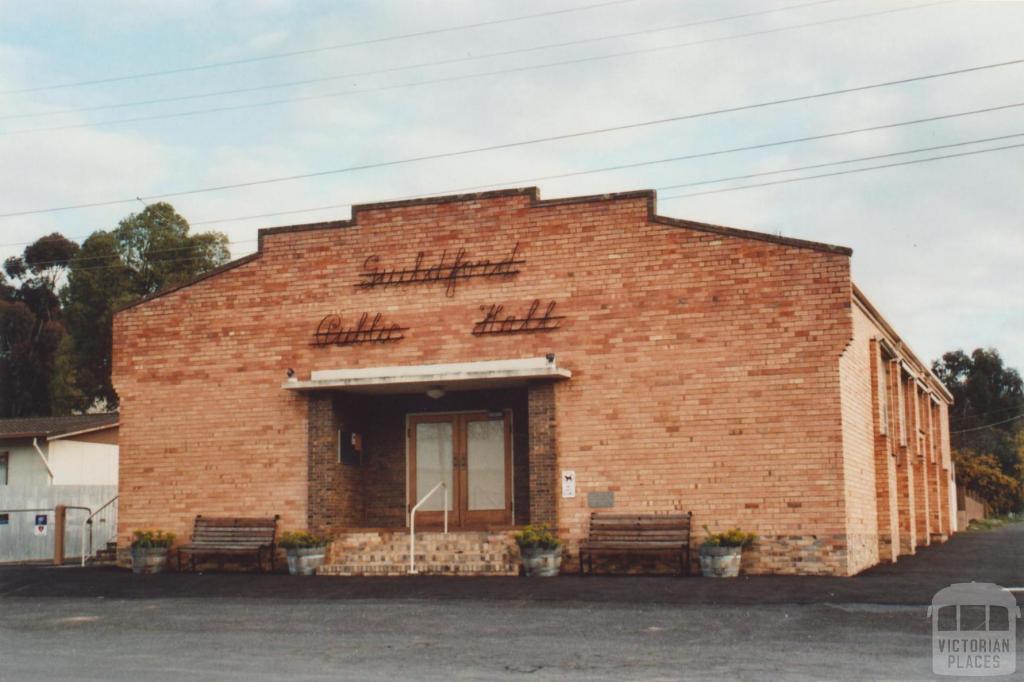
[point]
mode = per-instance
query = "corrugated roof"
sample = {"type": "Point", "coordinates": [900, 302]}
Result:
{"type": "Point", "coordinates": [35, 427]}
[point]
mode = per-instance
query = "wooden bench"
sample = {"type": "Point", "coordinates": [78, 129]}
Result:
{"type": "Point", "coordinates": [635, 533]}
{"type": "Point", "coordinates": [227, 537]}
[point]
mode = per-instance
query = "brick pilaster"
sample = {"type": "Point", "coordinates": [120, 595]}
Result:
{"type": "Point", "coordinates": [543, 455]}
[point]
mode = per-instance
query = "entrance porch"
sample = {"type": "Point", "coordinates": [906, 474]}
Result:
{"type": "Point", "coordinates": [378, 446]}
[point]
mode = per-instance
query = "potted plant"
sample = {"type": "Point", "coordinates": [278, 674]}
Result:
{"type": "Point", "coordinates": [306, 551]}
{"type": "Point", "coordinates": [721, 553]}
{"type": "Point", "coordinates": [149, 550]}
{"type": "Point", "coordinates": [541, 551]}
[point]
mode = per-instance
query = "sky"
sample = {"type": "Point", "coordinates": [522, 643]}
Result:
{"type": "Point", "coordinates": [938, 246]}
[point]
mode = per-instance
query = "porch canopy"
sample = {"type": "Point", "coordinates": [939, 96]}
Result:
{"type": "Point", "coordinates": [460, 376]}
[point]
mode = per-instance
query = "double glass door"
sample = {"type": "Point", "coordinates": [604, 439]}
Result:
{"type": "Point", "coordinates": [472, 454]}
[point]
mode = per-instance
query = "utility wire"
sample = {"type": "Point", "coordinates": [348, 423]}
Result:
{"type": "Point", "coordinates": [968, 414]}
{"type": "Point", "coordinates": [843, 162]}
{"type": "Point", "coordinates": [989, 426]}
{"type": "Point", "coordinates": [664, 187]}
{"type": "Point", "coordinates": [838, 173]}
{"type": "Point", "coordinates": [441, 62]}
{"type": "Point", "coordinates": [451, 79]}
{"type": "Point", "coordinates": [313, 50]}
{"type": "Point", "coordinates": [520, 143]}
{"type": "Point", "coordinates": [638, 164]}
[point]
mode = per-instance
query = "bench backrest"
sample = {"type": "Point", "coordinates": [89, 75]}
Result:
{"type": "Point", "coordinates": [240, 533]}
{"type": "Point", "coordinates": [640, 527]}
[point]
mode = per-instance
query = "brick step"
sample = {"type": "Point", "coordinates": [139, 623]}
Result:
{"type": "Point", "coordinates": [437, 553]}
{"type": "Point", "coordinates": [474, 548]}
{"type": "Point", "coordinates": [372, 559]}
{"type": "Point", "coordinates": [394, 569]}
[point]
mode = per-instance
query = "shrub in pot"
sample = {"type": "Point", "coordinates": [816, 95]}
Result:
{"type": "Point", "coordinates": [305, 551]}
{"type": "Point", "coordinates": [721, 553]}
{"type": "Point", "coordinates": [149, 550]}
{"type": "Point", "coordinates": [541, 551]}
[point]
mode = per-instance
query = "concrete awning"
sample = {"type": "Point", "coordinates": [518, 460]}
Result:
{"type": "Point", "coordinates": [458, 376]}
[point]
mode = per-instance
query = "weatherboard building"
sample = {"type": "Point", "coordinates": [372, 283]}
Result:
{"type": "Point", "coordinates": [546, 360]}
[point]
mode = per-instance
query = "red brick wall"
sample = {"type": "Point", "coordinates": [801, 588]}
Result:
{"type": "Point", "coordinates": [886, 492]}
{"type": "Point", "coordinates": [706, 368]}
{"type": "Point", "coordinates": [858, 460]}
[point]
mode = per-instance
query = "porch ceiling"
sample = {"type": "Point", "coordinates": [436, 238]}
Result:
{"type": "Point", "coordinates": [458, 376]}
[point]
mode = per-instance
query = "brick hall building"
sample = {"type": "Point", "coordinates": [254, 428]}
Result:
{"type": "Point", "coordinates": [499, 343]}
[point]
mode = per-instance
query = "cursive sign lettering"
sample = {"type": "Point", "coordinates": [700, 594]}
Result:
{"type": "Point", "coordinates": [447, 269]}
{"type": "Point", "coordinates": [495, 320]}
{"type": "Point", "coordinates": [332, 332]}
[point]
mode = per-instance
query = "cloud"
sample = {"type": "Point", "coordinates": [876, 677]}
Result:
{"type": "Point", "coordinates": [935, 244]}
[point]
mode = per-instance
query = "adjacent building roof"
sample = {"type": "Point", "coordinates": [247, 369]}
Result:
{"type": "Point", "coordinates": [49, 427]}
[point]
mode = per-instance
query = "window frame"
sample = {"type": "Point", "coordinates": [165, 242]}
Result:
{"type": "Point", "coordinates": [5, 468]}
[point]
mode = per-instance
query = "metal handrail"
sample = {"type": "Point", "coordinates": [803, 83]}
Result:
{"type": "Point", "coordinates": [412, 522]}
{"type": "Point", "coordinates": [86, 523]}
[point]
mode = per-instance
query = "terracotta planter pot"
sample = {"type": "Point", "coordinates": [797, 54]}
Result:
{"type": "Point", "coordinates": [305, 560]}
{"type": "Point", "coordinates": [720, 562]}
{"type": "Point", "coordinates": [149, 560]}
{"type": "Point", "coordinates": [539, 562]}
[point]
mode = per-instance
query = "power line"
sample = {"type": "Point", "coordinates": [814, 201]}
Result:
{"type": "Point", "coordinates": [441, 62]}
{"type": "Point", "coordinates": [452, 79]}
{"type": "Point", "coordinates": [638, 164]}
{"type": "Point", "coordinates": [701, 182]}
{"type": "Point", "coordinates": [838, 173]}
{"type": "Point", "coordinates": [843, 162]}
{"type": "Point", "coordinates": [520, 143]}
{"type": "Point", "coordinates": [989, 426]}
{"type": "Point", "coordinates": [967, 415]}
{"type": "Point", "coordinates": [324, 48]}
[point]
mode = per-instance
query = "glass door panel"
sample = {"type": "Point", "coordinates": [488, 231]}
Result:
{"type": "Point", "coordinates": [434, 451]}
{"type": "Point", "coordinates": [485, 464]}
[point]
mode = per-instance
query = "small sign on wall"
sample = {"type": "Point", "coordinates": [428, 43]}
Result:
{"type": "Point", "coordinates": [568, 483]}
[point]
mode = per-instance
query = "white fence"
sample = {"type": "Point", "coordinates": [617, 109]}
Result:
{"type": "Point", "coordinates": [18, 538]}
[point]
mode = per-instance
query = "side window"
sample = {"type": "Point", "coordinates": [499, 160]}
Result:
{"type": "Point", "coordinates": [901, 403]}
{"type": "Point", "coordinates": [883, 394]}
{"type": "Point", "coordinates": [3, 468]}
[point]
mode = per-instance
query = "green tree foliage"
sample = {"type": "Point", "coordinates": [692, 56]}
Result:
{"type": "Point", "coordinates": [985, 391]}
{"type": "Point", "coordinates": [984, 424]}
{"type": "Point", "coordinates": [31, 326]}
{"type": "Point", "coordinates": [148, 251]}
{"type": "Point", "coordinates": [983, 475]}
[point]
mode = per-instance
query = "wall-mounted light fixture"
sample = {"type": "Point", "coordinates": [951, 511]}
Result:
{"type": "Point", "coordinates": [291, 374]}
{"type": "Point", "coordinates": [435, 392]}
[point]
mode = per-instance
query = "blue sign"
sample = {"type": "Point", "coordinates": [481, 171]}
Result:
{"type": "Point", "coordinates": [40, 519]}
